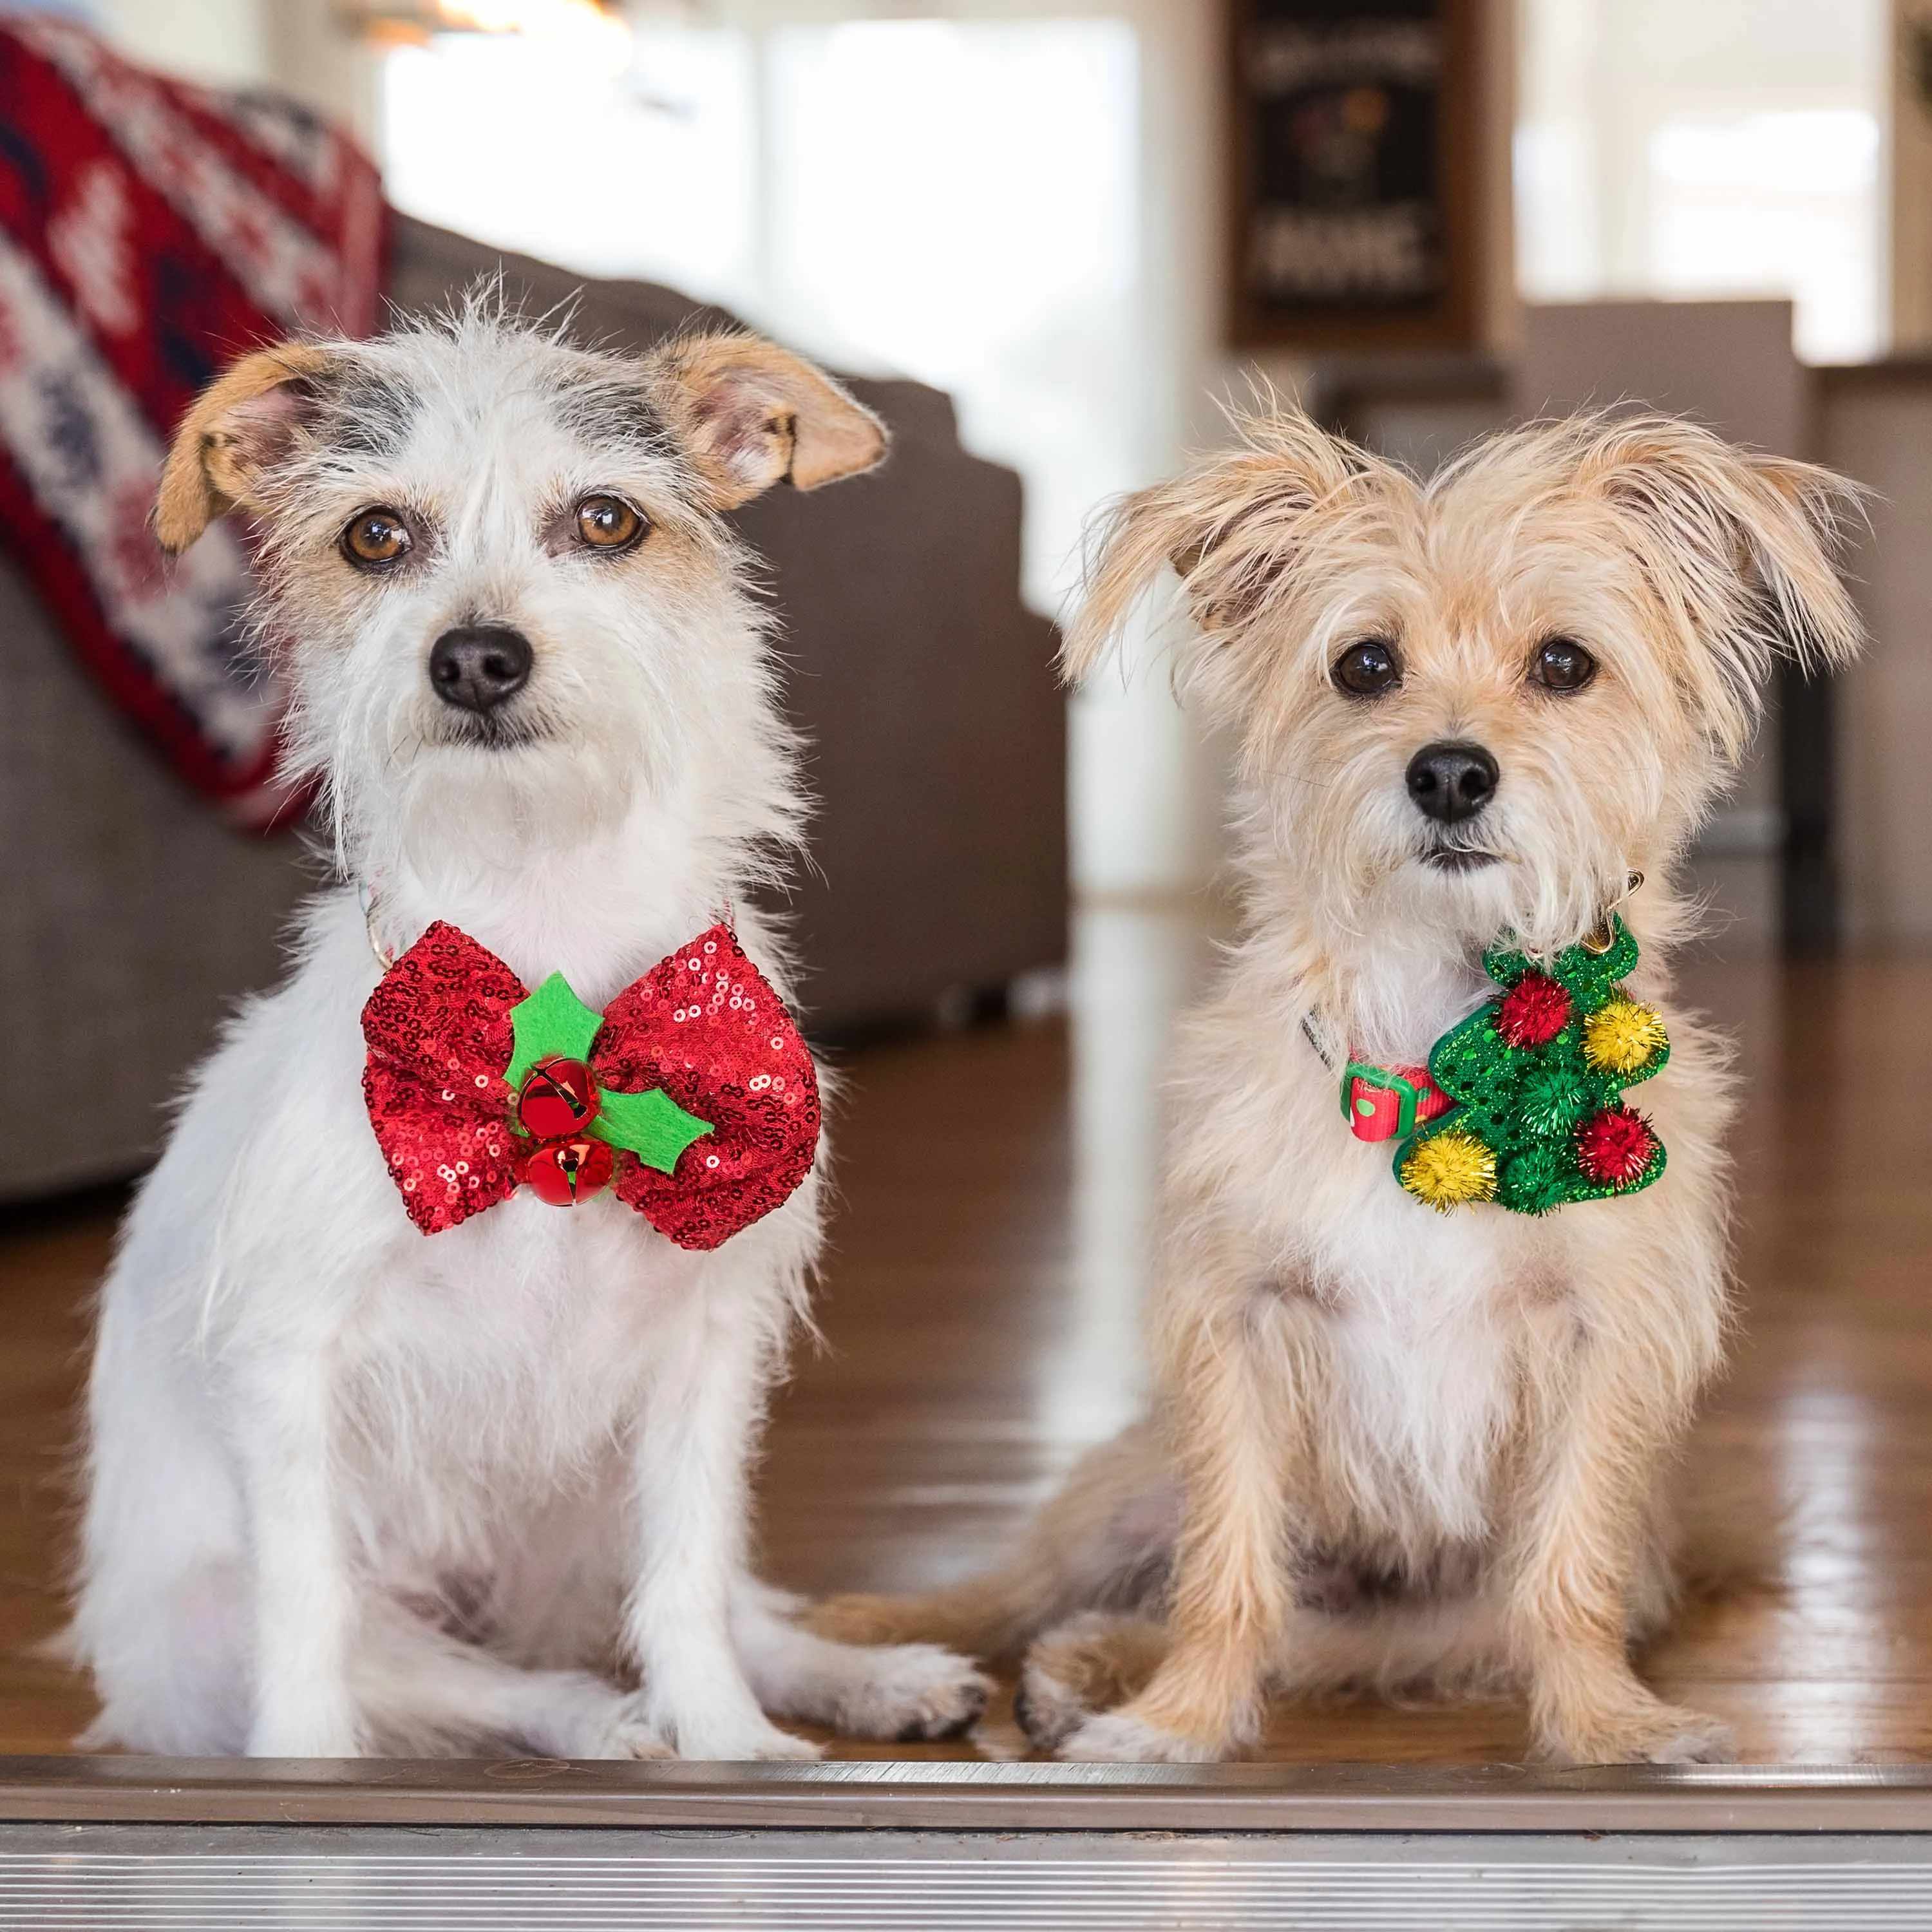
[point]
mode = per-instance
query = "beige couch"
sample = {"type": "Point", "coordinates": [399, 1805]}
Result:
{"type": "Point", "coordinates": [131, 918]}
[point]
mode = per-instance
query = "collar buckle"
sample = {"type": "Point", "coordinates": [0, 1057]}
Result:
{"type": "Point", "coordinates": [1388, 1103]}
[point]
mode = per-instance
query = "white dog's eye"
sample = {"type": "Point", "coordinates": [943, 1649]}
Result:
{"type": "Point", "coordinates": [375, 538]}
{"type": "Point", "coordinates": [1563, 664]}
{"type": "Point", "coordinates": [1367, 669]}
{"type": "Point", "coordinates": [608, 523]}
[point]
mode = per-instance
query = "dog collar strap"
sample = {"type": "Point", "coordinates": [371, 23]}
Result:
{"type": "Point", "coordinates": [1536, 1078]}
{"type": "Point", "coordinates": [1387, 1103]}
{"type": "Point", "coordinates": [692, 1095]}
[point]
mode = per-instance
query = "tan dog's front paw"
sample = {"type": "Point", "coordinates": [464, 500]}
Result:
{"type": "Point", "coordinates": [1048, 1709]}
{"type": "Point", "coordinates": [1115, 1737]}
{"type": "Point", "coordinates": [1094, 1662]}
{"type": "Point", "coordinates": [1649, 1733]}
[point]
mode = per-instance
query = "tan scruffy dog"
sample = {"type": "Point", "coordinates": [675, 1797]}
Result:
{"type": "Point", "coordinates": [1392, 1447]}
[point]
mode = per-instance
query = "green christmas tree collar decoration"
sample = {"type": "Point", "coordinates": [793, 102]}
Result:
{"type": "Point", "coordinates": [1538, 1075]}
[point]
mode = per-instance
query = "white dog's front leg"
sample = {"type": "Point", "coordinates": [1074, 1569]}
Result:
{"type": "Point", "coordinates": [304, 1601]}
{"type": "Point", "coordinates": [689, 1498]}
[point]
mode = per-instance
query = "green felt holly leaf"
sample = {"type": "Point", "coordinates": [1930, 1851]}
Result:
{"type": "Point", "coordinates": [651, 1125]}
{"type": "Point", "coordinates": [551, 1024]}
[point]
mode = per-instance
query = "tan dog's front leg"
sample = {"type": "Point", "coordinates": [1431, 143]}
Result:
{"type": "Point", "coordinates": [1232, 1417]}
{"type": "Point", "coordinates": [1604, 1423]}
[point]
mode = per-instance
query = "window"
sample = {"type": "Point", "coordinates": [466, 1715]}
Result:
{"type": "Point", "coordinates": [1708, 148]}
{"type": "Point", "coordinates": [956, 201]}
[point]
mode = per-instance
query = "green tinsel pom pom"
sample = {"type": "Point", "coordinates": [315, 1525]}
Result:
{"type": "Point", "coordinates": [1552, 1100]}
{"type": "Point", "coordinates": [1538, 1179]}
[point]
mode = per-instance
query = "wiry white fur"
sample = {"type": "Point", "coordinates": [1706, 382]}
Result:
{"type": "Point", "coordinates": [352, 1488]}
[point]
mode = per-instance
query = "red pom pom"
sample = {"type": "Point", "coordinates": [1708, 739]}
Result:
{"type": "Point", "coordinates": [1615, 1148]}
{"type": "Point", "coordinates": [564, 1172]}
{"type": "Point", "coordinates": [1533, 1012]}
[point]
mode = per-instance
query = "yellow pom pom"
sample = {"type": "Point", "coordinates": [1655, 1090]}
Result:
{"type": "Point", "coordinates": [1623, 1037]}
{"type": "Point", "coordinates": [1449, 1169]}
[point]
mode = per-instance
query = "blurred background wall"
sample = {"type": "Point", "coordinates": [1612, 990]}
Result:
{"type": "Point", "coordinates": [1013, 203]}
{"type": "Point", "coordinates": [1022, 204]}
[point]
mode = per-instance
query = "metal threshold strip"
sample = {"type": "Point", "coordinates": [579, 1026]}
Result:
{"type": "Point", "coordinates": [110, 1844]}
{"type": "Point", "coordinates": [929, 1796]}
{"type": "Point", "coordinates": [105, 1878]}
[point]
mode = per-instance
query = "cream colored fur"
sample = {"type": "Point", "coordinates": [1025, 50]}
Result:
{"type": "Point", "coordinates": [1390, 1448]}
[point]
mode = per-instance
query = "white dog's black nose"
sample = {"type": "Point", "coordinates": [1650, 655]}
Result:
{"type": "Point", "coordinates": [1452, 781]}
{"type": "Point", "coordinates": [479, 665]}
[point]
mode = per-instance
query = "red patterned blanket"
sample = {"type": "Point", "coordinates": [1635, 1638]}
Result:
{"type": "Point", "coordinates": [149, 230]}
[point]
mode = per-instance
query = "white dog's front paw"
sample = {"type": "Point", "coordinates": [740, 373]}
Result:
{"type": "Point", "coordinates": [1114, 1737]}
{"type": "Point", "coordinates": [625, 1731]}
{"type": "Point", "coordinates": [319, 1725]}
{"type": "Point", "coordinates": [735, 1738]}
{"type": "Point", "coordinates": [748, 1744]}
{"type": "Point", "coordinates": [915, 1693]}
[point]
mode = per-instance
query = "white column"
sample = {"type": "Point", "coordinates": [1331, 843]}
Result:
{"type": "Point", "coordinates": [310, 53]}
{"type": "Point", "coordinates": [300, 46]}
{"type": "Point", "coordinates": [1146, 781]}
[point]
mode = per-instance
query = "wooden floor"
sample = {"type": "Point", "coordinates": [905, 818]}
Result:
{"type": "Point", "coordinates": [979, 1326]}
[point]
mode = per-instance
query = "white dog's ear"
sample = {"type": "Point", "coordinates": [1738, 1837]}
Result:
{"type": "Point", "coordinates": [1742, 549]}
{"type": "Point", "coordinates": [1231, 526]}
{"type": "Point", "coordinates": [750, 414]}
{"type": "Point", "coordinates": [235, 431]}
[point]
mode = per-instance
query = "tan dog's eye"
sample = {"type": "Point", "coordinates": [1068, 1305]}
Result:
{"type": "Point", "coordinates": [1563, 664]}
{"type": "Point", "coordinates": [1367, 669]}
{"type": "Point", "coordinates": [608, 523]}
{"type": "Point", "coordinates": [374, 538]}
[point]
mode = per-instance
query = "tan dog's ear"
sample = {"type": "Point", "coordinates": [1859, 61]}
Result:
{"type": "Point", "coordinates": [750, 414]}
{"type": "Point", "coordinates": [234, 430]}
{"type": "Point", "coordinates": [1230, 526]}
{"type": "Point", "coordinates": [1742, 549]}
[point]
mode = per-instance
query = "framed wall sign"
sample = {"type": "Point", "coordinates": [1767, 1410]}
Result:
{"type": "Point", "coordinates": [1353, 128]}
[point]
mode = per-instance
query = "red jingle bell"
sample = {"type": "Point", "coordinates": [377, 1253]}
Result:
{"type": "Point", "coordinates": [564, 1172]}
{"type": "Point", "coordinates": [559, 1100]}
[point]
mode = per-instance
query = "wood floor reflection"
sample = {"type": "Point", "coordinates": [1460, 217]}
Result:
{"type": "Point", "coordinates": [979, 1325]}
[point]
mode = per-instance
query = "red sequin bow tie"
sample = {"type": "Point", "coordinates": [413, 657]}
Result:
{"type": "Point", "coordinates": [692, 1094]}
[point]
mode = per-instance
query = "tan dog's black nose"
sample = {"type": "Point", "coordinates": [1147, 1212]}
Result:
{"type": "Point", "coordinates": [478, 666]}
{"type": "Point", "coordinates": [1452, 781]}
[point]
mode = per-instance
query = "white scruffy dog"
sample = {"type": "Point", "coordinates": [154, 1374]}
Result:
{"type": "Point", "coordinates": [351, 1488]}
